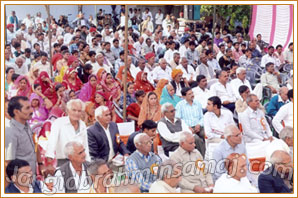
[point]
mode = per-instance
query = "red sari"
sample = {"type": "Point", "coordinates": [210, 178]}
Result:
{"type": "Point", "coordinates": [44, 84]}
{"type": "Point", "coordinates": [68, 85]}
{"type": "Point", "coordinates": [140, 84]}
{"type": "Point", "coordinates": [134, 110]}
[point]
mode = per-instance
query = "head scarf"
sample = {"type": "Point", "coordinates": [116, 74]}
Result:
{"type": "Point", "coordinates": [112, 92]}
{"type": "Point", "coordinates": [121, 71]}
{"type": "Point", "coordinates": [27, 90]}
{"type": "Point", "coordinates": [160, 85]}
{"type": "Point", "coordinates": [108, 103]}
{"type": "Point", "coordinates": [41, 114]}
{"type": "Point", "coordinates": [166, 97]}
{"type": "Point", "coordinates": [141, 84]}
{"type": "Point", "coordinates": [31, 76]}
{"type": "Point", "coordinates": [88, 91]}
{"type": "Point", "coordinates": [59, 78]}
{"type": "Point", "coordinates": [149, 55]}
{"type": "Point", "coordinates": [71, 59]}
{"type": "Point", "coordinates": [175, 72]}
{"type": "Point", "coordinates": [90, 117]}
{"type": "Point", "coordinates": [145, 111]}
{"type": "Point", "coordinates": [44, 85]}
{"type": "Point", "coordinates": [99, 73]}
{"type": "Point", "coordinates": [67, 84]}
{"type": "Point", "coordinates": [55, 59]}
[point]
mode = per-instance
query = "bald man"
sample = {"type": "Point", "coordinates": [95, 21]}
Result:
{"type": "Point", "coordinates": [277, 101]}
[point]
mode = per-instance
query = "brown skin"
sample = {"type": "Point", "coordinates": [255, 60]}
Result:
{"type": "Point", "coordinates": [215, 110]}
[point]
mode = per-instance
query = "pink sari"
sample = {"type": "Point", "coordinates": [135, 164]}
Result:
{"type": "Point", "coordinates": [87, 92]}
{"type": "Point", "coordinates": [111, 93]}
{"type": "Point", "coordinates": [27, 91]}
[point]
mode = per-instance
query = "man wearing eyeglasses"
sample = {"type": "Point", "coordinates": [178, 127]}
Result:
{"type": "Point", "coordinates": [140, 165]}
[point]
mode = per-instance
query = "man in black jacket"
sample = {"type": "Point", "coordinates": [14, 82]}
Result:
{"type": "Point", "coordinates": [103, 137]}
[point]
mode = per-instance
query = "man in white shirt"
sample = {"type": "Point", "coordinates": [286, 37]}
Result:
{"type": "Point", "coordinates": [188, 71]}
{"type": "Point", "coordinates": [204, 68]}
{"type": "Point", "coordinates": [162, 71]}
{"type": "Point", "coordinates": [240, 80]}
{"type": "Point", "coordinates": [169, 54]}
{"type": "Point", "coordinates": [270, 57]}
{"type": "Point", "coordinates": [66, 129]}
{"type": "Point", "coordinates": [221, 52]}
{"type": "Point", "coordinates": [72, 177]}
{"type": "Point", "coordinates": [158, 17]}
{"type": "Point", "coordinates": [271, 78]}
{"type": "Point", "coordinates": [216, 119]}
{"type": "Point", "coordinates": [201, 92]}
{"type": "Point", "coordinates": [288, 54]}
{"type": "Point", "coordinates": [224, 91]}
{"type": "Point", "coordinates": [284, 116]}
{"type": "Point", "coordinates": [100, 64]}
{"type": "Point", "coordinates": [212, 62]}
{"type": "Point", "coordinates": [43, 64]}
{"type": "Point", "coordinates": [245, 59]}
{"type": "Point", "coordinates": [146, 14]}
{"type": "Point", "coordinates": [28, 21]}
{"type": "Point", "coordinates": [38, 19]}
{"type": "Point", "coordinates": [19, 66]}
{"type": "Point", "coordinates": [139, 46]}
{"type": "Point", "coordinates": [254, 124]}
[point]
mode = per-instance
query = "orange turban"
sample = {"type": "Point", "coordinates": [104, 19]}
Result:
{"type": "Point", "coordinates": [175, 72]}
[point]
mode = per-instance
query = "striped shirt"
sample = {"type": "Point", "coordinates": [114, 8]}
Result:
{"type": "Point", "coordinates": [191, 114]}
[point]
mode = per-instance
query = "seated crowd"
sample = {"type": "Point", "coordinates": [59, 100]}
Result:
{"type": "Point", "coordinates": [185, 93]}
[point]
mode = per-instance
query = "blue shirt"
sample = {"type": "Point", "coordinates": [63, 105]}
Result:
{"type": "Point", "coordinates": [191, 114]}
{"type": "Point", "coordinates": [274, 105]}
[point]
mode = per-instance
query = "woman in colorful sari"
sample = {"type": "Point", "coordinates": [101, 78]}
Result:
{"type": "Point", "coordinates": [110, 87]}
{"type": "Point", "coordinates": [33, 74]}
{"type": "Point", "coordinates": [88, 90]}
{"type": "Point", "coordinates": [8, 74]}
{"type": "Point", "coordinates": [160, 85]}
{"type": "Point", "coordinates": [21, 87]}
{"type": "Point", "coordinates": [100, 73]}
{"type": "Point", "coordinates": [89, 117]}
{"type": "Point", "coordinates": [168, 95]}
{"type": "Point", "coordinates": [130, 97]}
{"type": "Point", "coordinates": [40, 113]}
{"type": "Point", "coordinates": [133, 110]}
{"type": "Point", "coordinates": [71, 80]}
{"type": "Point", "coordinates": [142, 82]}
{"type": "Point", "coordinates": [44, 81]}
{"type": "Point", "coordinates": [150, 108]}
{"type": "Point", "coordinates": [73, 62]}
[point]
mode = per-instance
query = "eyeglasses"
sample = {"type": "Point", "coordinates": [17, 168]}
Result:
{"type": "Point", "coordinates": [150, 142]}
{"type": "Point", "coordinates": [172, 111]}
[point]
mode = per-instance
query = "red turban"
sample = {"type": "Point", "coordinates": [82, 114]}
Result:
{"type": "Point", "coordinates": [149, 55]}
{"type": "Point", "coordinates": [92, 29]}
{"type": "Point", "coordinates": [9, 26]}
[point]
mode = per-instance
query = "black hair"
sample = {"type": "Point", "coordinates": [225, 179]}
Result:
{"type": "Point", "coordinates": [88, 67]}
{"type": "Point", "coordinates": [44, 54]}
{"type": "Point", "coordinates": [290, 44]}
{"type": "Point", "coordinates": [149, 124]}
{"type": "Point", "coordinates": [14, 103]}
{"type": "Point", "coordinates": [115, 40]}
{"type": "Point", "coordinates": [200, 77]}
{"type": "Point", "coordinates": [278, 46]}
{"type": "Point", "coordinates": [14, 165]}
{"type": "Point", "coordinates": [185, 90]}
{"type": "Point", "coordinates": [35, 86]}
{"type": "Point", "coordinates": [14, 76]}
{"type": "Point", "coordinates": [91, 53]}
{"type": "Point", "coordinates": [268, 65]}
{"type": "Point", "coordinates": [290, 94]}
{"type": "Point", "coordinates": [192, 43]}
{"type": "Point", "coordinates": [121, 53]}
{"type": "Point", "coordinates": [58, 86]}
{"type": "Point", "coordinates": [152, 93]}
{"type": "Point", "coordinates": [56, 45]}
{"type": "Point", "coordinates": [215, 101]}
{"type": "Point", "coordinates": [27, 50]}
{"type": "Point", "coordinates": [270, 47]}
{"type": "Point", "coordinates": [208, 52]}
{"type": "Point", "coordinates": [35, 44]}
{"type": "Point", "coordinates": [74, 51]}
{"type": "Point", "coordinates": [8, 69]}
{"type": "Point", "coordinates": [139, 93]}
{"type": "Point", "coordinates": [242, 89]}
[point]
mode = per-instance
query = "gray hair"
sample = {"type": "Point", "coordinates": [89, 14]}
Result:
{"type": "Point", "coordinates": [72, 101]}
{"type": "Point", "coordinates": [166, 169]}
{"type": "Point", "coordinates": [93, 166]}
{"type": "Point", "coordinates": [184, 135]}
{"type": "Point", "coordinates": [249, 98]}
{"type": "Point", "coordinates": [138, 138]}
{"type": "Point", "coordinates": [99, 111]}
{"type": "Point", "coordinates": [69, 148]}
{"type": "Point", "coordinates": [176, 53]}
{"type": "Point", "coordinates": [278, 156]}
{"type": "Point", "coordinates": [162, 59]}
{"type": "Point", "coordinates": [240, 69]}
{"type": "Point", "coordinates": [286, 132]}
{"type": "Point", "coordinates": [165, 107]}
{"type": "Point", "coordinates": [228, 131]}
{"type": "Point", "coordinates": [283, 89]}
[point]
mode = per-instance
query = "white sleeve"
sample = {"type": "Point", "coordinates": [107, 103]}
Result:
{"type": "Point", "coordinates": [208, 129]}
{"type": "Point", "coordinates": [166, 134]}
{"type": "Point", "coordinates": [278, 118]}
{"type": "Point", "coordinates": [53, 138]}
{"type": "Point", "coordinates": [185, 127]}
{"type": "Point", "coordinates": [58, 182]}
{"type": "Point", "coordinates": [247, 130]}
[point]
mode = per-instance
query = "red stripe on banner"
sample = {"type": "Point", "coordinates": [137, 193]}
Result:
{"type": "Point", "coordinates": [273, 26]}
{"type": "Point", "coordinates": [253, 21]}
{"type": "Point", "coordinates": [290, 27]}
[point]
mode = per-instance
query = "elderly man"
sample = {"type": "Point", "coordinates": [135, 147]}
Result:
{"type": "Point", "coordinates": [103, 137]}
{"type": "Point", "coordinates": [178, 82]}
{"type": "Point", "coordinates": [100, 64]}
{"type": "Point", "coordinates": [191, 112]}
{"type": "Point", "coordinates": [269, 58]}
{"type": "Point", "coordinates": [140, 163]}
{"type": "Point", "coordinates": [19, 142]}
{"type": "Point", "coordinates": [271, 78]}
{"type": "Point", "coordinates": [72, 175]}
{"type": "Point", "coordinates": [232, 144]}
{"type": "Point", "coordinates": [162, 71]}
{"type": "Point", "coordinates": [240, 80]}
{"type": "Point", "coordinates": [149, 128]}
{"type": "Point", "coordinates": [66, 129]}
{"type": "Point", "coordinates": [188, 71]}
{"type": "Point", "coordinates": [169, 174]}
{"type": "Point", "coordinates": [176, 60]}
{"type": "Point", "coordinates": [197, 181]}
{"type": "Point", "coordinates": [277, 101]}
{"type": "Point", "coordinates": [19, 66]}
{"type": "Point", "coordinates": [204, 68]}
{"type": "Point", "coordinates": [224, 90]}
{"type": "Point", "coordinates": [272, 180]}
{"type": "Point", "coordinates": [216, 119]}
{"type": "Point", "coordinates": [235, 180]}
{"type": "Point", "coordinates": [101, 176]}
{"type": "Point", "coordinates": [20, 174]}
{"type": "Point", "coordinates": [201, 92]}
{"type": "Point", "coordinates": [253, 121]}
{"type": "Point", "coordinates": [284, 115]}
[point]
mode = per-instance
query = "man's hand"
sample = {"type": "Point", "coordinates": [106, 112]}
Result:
{"type": "Point", "coordinates": [226, 102]}
{"type": "Point", "coordinates": [191, 129]}
{"type": "Point", "coordinates": [270, 138]}
{"type": "Point", "coordinates": [46, 170]}
{"type": "Point", "coordinates": [197, 128]}
{"type": "Point", "coordinates": [198, 189]}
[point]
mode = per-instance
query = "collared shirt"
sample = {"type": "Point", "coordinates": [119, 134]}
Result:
{"type": "Point", "coordinates": [19, 143]}
{"type": "Point", "coordinates": [116, 51]}
{"type": "Point", "coordinates": [269, 79]}
{"type": "Point", "coordinates": [190, 73]}
{"type": "Point", "coordinates": [158, 18]}
{"type": "Point", "coordinates": [214, 64]}
{"type": "Point", "coordinates": [158, 73]}
{"type": "Point", "coordinates": [161, 187]}
{"type": "Point", "coordinates": [191, 114]}
{"type": "Point", "coordinates": [169, 54]}
{"type": "Point", "coordinates": [44, 67]}
{"type": "Point", "coordinates": [205, 70]}
{"type": "Point", "coordinates": [225, 93]}
{"type": "Point", "coordinates": [284, 114]}
{"type": "Point", "coordinates": [227, 184]}
{"type": "Point", "coordinates": [244, 61]}
{"type": "Point", "coordinates": [288, 56]}
{"type": "Point", "coordinates": [81, 181]}
{"type": "Point", "coordinates": [236, 83]}
{"type": "Point", "coordinates": [108, 134]}
{"type": "Point", "coordinates": [23, 70]}
{"type": "Point", "coordinates": [136, 174]}
{"type": "Point", "coordinates": [266, 59]}
{"type": "Point", "coordinates": [201, 95]}
{"type": "Point", "coordinates": [167, 135]}
{"type": "Point", "coordinates": [192, 56]}
{"type": "Point", "coordinates": [254, 125]}
{"type": "Point", "coordinates": [214, 126]}
{"type": "Point", "coordinates": [222, 151]}
{"type": "Point", "coordinates": [194, 177]}
{"type": "Point", "coordinates": [62, 132]}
